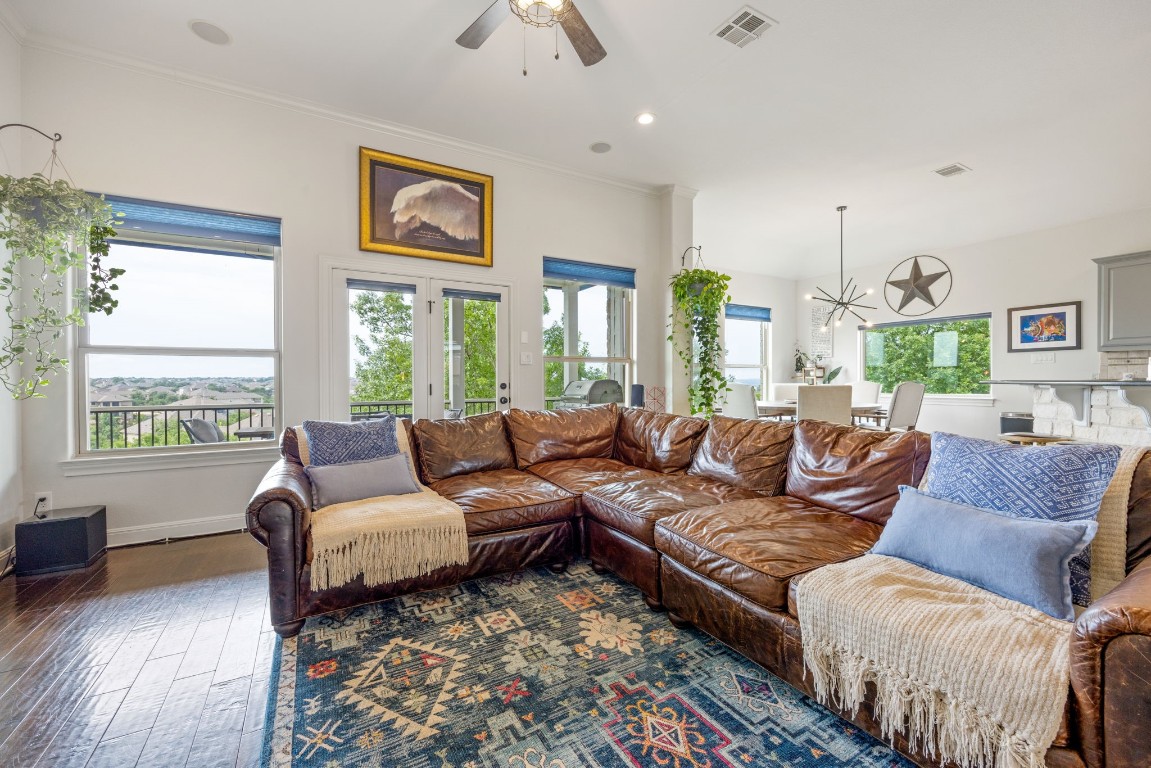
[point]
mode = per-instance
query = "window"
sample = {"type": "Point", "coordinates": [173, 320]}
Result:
{"type": "Point", "coordinates": [747, 343]}
{"type": "Point", "coordinates": [586, 324]}
{"type": "Point", "coordinates": [950, 355]}
{"type": "Point", "coordinates": [190, 355]}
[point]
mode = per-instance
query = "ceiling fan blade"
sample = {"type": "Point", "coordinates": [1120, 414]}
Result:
{"type": "Point", "coordinates": [482, 28]}
{"type": "Point", "coordinates": [586, 45]}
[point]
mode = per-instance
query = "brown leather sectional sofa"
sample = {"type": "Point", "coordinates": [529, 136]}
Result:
{"type": "Point", "coordinates": [716, 521]}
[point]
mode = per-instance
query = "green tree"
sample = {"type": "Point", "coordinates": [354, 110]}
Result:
{"type": "Point", "coordinates": [908, 353]}
{"type": "Point", "coordinates": [384, 371]}
{"type": "Point", "coordinates": [554, 347]}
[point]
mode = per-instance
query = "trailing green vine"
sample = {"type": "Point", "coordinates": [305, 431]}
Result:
{"type": "Point", "coordinates": [698, 299]}
{"type": "Point", "coordinates": [47, 226]}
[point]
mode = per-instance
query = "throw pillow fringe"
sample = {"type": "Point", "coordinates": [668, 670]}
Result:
{"type": "Point", "coordinates": [934, 724]}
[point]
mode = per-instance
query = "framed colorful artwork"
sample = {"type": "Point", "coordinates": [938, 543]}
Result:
{"type": "Point", "coordinates": [412, 207]}
{"type": "Point", "coordinates": [1044, 327]}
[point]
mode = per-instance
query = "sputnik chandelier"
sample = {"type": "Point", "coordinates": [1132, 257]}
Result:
{"type": "Point", "coordinates": [849, 292]}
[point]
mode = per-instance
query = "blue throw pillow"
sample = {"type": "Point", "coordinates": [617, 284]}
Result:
{"type": "Point", "coordinates": [1042, 482]}
{"type": "Point", "coordinates": [340, 442]}
{"type": "Point", "coordinates": [1017, 558]}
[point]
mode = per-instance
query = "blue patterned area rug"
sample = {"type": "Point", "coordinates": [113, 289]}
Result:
{"type": "Point", "coordinates": [538, 670]}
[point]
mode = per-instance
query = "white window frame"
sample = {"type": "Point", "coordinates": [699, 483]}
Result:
{"type": "Point", "coordinates": [764, 368]}
{"type": "Point", "coordinates": [82, 347]}
{"type": "Point", "coordinates": [619, 310]}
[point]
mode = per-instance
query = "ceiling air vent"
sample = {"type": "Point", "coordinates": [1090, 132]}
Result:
{"type": "Point", "coordinates": [745, 26]}
{"type": "Point", "coordinates": [952, 170]}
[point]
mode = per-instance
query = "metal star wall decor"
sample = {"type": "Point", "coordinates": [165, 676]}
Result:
{"type": "Point", "coordinates": [849, 293]}
{"type": "Point", "coordinates": [920, 286]}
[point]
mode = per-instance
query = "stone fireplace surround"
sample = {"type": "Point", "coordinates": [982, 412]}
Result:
{"type": "Point", "coordinates": [1107, 410]}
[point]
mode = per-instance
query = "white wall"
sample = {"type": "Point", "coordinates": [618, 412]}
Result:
{"type": "Point", "coordinates": [1049, 266]}
{"type": "Point", "coordinates": [131, 132]}
{"type": "Point", "coordinates": [11, 491]}
{"type": "Point", "coordinates": [778, 294]}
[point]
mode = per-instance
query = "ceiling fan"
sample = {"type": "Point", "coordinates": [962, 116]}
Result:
{"type": "Point", "coordinates": [537, 13]}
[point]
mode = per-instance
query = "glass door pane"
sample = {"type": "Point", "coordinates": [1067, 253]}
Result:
{"type": "Point", "coordinates": [382, 348]}
{"type": "Point", "coordinates": [472, 374]}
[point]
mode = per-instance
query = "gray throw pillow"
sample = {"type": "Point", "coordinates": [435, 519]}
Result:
{"type": "Point", "coordinates": [337, 483]}
{"type": "Point", "coordinates": [1020, 559]}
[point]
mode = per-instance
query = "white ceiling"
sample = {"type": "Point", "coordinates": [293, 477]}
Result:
{"type": "Point", "coordinates": [845, 102]}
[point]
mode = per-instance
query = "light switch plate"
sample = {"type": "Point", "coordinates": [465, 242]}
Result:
{"type": "Point", "coordinates": [1042, 357]}
{"type": "Point", "coordinates": [525, 358]}
{"type": "Point", "coordinates": [523, 337]}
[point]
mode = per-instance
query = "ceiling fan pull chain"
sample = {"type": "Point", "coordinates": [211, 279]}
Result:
{"type": "Point", "coordinates": [525, 50]}
{"type": "Point", "coordinates": [557, 31]}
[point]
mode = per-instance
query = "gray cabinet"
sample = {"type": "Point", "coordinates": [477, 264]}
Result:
{"type": "Point", "coordinates": [1125, 301]}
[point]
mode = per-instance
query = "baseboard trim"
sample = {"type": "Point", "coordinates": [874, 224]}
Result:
{"type": "Point", "coordinates": [180, 529]}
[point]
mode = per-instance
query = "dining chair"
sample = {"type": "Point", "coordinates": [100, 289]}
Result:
{"type": "Point", "coordinates": [906, 401]}
{"type": "Point", "coordinates": [739, 402]}
{"type": "Point", "coordinates": [864, 392]}
{"type": "Point", "coordinates": [826, 402]}
{"type": "Point", "coordinates": [785, 391]}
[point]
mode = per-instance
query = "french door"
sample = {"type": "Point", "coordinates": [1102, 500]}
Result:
{"type": "Point", "coordinates": [418, 347]}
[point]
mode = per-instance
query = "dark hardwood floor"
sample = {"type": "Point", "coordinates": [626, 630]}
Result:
{"type": "Point", "coordinates": [156, 656]}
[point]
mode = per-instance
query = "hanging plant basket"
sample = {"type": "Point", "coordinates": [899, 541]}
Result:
{"type": "Point", "coordinates": [50, 229]}
{"type": "Point", "coordinates": [698, 299]}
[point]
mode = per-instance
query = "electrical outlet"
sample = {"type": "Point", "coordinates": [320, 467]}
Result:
{"type": "Point", "coordinates": [46, 505]}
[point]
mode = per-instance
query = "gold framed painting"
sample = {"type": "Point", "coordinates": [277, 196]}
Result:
{"type": "Point", "coordinates": [412, 207]}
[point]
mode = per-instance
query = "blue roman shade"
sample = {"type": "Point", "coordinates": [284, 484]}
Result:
{"type": "Point", "coordinates": [452, 293]}
{"type": "Point", "coordinates": [146, 216]}
{"type": "Point", "coordinates": [596, 274]}
{"type": "Point", "coordinates": [747, 312]}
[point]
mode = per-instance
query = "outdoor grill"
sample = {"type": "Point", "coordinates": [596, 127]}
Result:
{"type": "Point", "coordinates": [581, 394]}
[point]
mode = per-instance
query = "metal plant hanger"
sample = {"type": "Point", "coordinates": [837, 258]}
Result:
{"type": "Point", "coordinates": [849, 292]}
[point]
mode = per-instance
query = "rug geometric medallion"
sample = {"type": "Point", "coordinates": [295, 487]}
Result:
{"type": "Point", "coordinates": [538, 670]}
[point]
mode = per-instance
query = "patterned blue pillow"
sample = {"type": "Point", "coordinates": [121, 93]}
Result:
{"type": "Point", "coordinates": [1044, 482]}
{"type": "Point", "coordinates": [340, 442]}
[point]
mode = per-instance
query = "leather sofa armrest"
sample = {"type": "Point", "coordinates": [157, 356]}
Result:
{"type": "Point", "coordinates": [286, 481]}
{"type": "Point", "coordinates": [1111, 674]}
{"type": "Point", "coordinates": [280, 518]}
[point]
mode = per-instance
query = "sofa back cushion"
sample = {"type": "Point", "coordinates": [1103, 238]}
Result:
{"type": "Point", "coordinates": [662, 442]}
{"type": "Point", "coordinates": [746, 453]}
{"type": "Point", "coordinates": [854, 470]}
{"type": "Point", "coordinates": [462, 446]}
{"type": "Point", "coordinates": [571, 433]}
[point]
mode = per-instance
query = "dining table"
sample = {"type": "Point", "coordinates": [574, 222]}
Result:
{"type": "Point", "coordinates": [782, 409]}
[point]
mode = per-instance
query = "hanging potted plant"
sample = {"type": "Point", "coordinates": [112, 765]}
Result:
{"type": "Point", "coordinates": [698, 298]}
{"type": "Point", "coordinates": [48, 227]}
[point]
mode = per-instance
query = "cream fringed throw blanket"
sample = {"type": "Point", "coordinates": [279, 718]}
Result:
{"type": "Point", "coordinates": [386, 539]}
{"type": "Point", "coordinates": [964, 674]}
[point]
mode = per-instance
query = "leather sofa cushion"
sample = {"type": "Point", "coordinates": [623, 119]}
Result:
{"type": "Point", "coordinates": [662, 442]}
{"type": "Point", "coordinates": [505, 499]}
{"type": "Point", "coordinates": [635, 506]}
{"type": "Point", "coordinates": [854, 470]}
{"type": "Point", "coordinates": [755, 547]}
{"type": "Point", "coordinates": [571, 433]}
{"type": "Point", "coordinates": [460, 446]}
{"type": "Point", "coordinates": [746, 453]}
{"type": "Point", "coordinates": [579, 475]}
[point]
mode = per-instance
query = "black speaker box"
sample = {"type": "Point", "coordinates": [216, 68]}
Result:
{"type": "Point", "coordinates": [67, 538]}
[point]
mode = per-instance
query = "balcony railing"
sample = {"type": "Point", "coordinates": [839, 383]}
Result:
{"type": "Point", "coordinates": [143, 426]}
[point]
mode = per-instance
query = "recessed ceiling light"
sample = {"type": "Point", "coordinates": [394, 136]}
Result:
{"type": "Point", "coordinates": [600, 147]}
{"type": "Point", "coordinates": [209, 32]}
{"type": "Point", "coordinates": [645, 118]}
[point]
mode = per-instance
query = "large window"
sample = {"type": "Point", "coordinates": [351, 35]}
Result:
{"type": "Point", "coordinates": [190, 355]}
{"type": "Point", "coordinates": [950, 355]}
{"type": "Point", "coordinates": [586, 324]}
{"type": "Point", "coordinates": [747, 344]}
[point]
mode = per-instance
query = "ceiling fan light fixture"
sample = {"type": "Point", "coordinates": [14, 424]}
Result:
{"type": "Point", "coordinates": [541, 13]}
{"type": "Point", "coordinates": [645, 118]}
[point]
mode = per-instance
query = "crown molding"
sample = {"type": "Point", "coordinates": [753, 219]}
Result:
{"type": "Point", "coordinates": [678, 190]}
{"type": "Point", "coordinates": [11, 21]}
{"type": "Point", "coordinates": [313, 109]}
